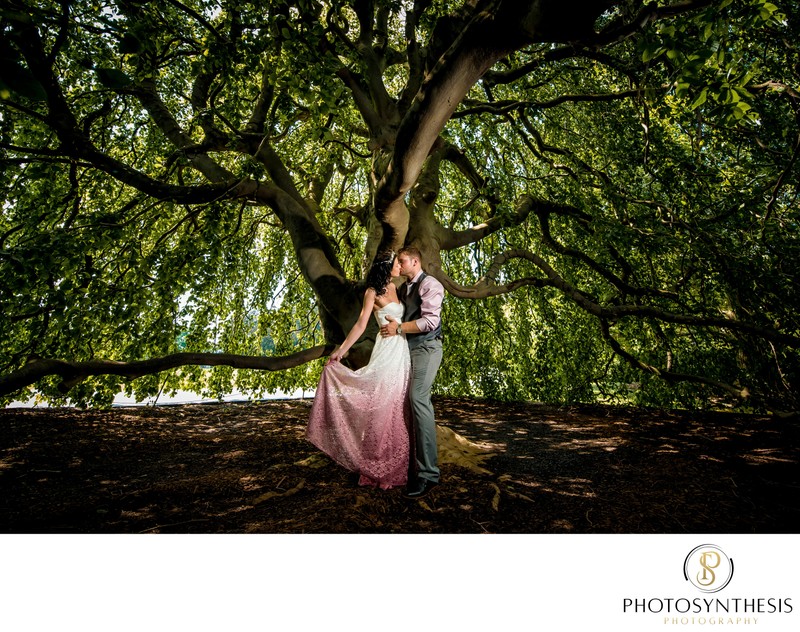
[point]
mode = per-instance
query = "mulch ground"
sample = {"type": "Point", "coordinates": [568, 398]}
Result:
{"type": "Point", "coordinates": [246, 468]}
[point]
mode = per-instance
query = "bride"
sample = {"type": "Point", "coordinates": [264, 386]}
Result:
{"type": "Point", "coordinates": [361, 419]}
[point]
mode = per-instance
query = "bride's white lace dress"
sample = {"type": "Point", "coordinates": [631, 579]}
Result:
{"type": "Point", "coordinates": [361, 419]}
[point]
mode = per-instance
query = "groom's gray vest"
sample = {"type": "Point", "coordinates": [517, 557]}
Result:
{"type": "Point", "coordinates": [413, 311]}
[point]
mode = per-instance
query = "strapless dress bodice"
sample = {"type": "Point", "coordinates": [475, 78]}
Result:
{"type": "Point", "coordinates": [395, 310]}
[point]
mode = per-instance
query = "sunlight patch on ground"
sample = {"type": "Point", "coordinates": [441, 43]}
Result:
{"type": "Point", "coordinates": [575, 487]}
{"type": "Point", "coordinates": [607, 444]}
{"type": "Point", "coordinates": [9, 462]}
{"type": "Point", "coordinates": [564, 427]}
{"type": "Point", "coordinates": [234, 454]}
{"type": "Point", "coordinates": [706, 457]}
{"type": "Point", "coordinates": [563, 524]}
{"type": "Point", "coordinates": [765, 456]}
{"type": "Point", "coordinates": [251, 483]}
{"type": "Point", "coordinates": [146, 512]}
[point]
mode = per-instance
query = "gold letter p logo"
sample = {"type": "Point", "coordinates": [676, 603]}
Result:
{"type": "Point", "coordinates": [706, 577]}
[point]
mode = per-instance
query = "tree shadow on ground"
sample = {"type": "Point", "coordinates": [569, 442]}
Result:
{"type": "Point", "coordinates": [246, 468]}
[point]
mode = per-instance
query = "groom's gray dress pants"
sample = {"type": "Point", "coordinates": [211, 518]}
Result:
{"type": "Point", "coordinates": [425, 361]}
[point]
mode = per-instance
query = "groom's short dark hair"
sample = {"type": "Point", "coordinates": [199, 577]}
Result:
{"type": "Point", "coordinates": [411, 251]}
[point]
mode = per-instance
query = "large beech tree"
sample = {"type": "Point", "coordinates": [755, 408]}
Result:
{"type": "Point", "coordinates": [606, 188]}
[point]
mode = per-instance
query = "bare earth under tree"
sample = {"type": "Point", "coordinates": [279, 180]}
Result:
{"type": "Point", "coordinates": [244, 468]}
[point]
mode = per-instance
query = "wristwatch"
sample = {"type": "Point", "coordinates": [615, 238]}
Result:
{"type": "Point", "coordinates": [399, 329]}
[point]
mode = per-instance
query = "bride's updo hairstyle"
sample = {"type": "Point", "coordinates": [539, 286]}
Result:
{"type": "Point", "coordinates": [380, 273]}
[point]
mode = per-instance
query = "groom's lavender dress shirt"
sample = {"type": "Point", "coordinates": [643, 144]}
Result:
{"type": "Point", "coordinates": [431, 293]}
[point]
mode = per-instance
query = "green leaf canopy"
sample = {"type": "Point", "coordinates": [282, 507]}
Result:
{"type": "Point", "coordinates": [607, 189]}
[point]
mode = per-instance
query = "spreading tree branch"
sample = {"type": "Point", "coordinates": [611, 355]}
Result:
{"type": "Point", "coordinates": [487, 286]}
{"type": "Point", "coordinates": [163, 118]}
{"type": "Point", "coordinates": [504, 107]}
{"type": "Point", "coordinates": [373, 61]}
{"type": "Point", "coordinates": [72, 373]}
{"type": "Point", "coordinates": [617, 32]}
{"type": "Point", "coordinates": [546, 58]}
{"type": "Point", "coordinates": [452, 239]}
{"type": "Point", "coordinates": [741, 393]}
{"type": "Point", "coordinates": [543, 212]}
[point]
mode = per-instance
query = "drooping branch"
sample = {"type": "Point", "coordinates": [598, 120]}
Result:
{"type": "Point", "coordinates": [31, 151]}
{"type": "Point", "coordinates": [33, 114]}
{"type": "Point", "coordinates": [546, 57]}
{"type": "Point", "coordinates": [196, 194]}
{"type": "Point", "coordinates": [267, 156]}
{"type": "Point", "coordinates": [667, 374]}
{"type": "Point", "coordinates": [28, 160]}
{"type": "Point", "coordinates": [75, 144]}
{"type": "Point", "coordinates": [484, 288]}
{"type": "Point", "coordinates": [72, 373]}
{"type": "Point", "coordinates": [543, 212]}
{"type": "Point", "coordinates": [265, 99]}
{"type": "Point", "coordinates": [487, 286]}
{"type": "Point", "coordinates": [373, 64]}
{"type": "Point", "coordinates": [414, 54]}
{"type": "Point", "coordinates": [504, 107]}
{"type": "Point", "coordinates": [166, 122]}
{"type": "Point", "coordinates": [196, 16]}
{"type": "Point", "coordinates": [459, 159]}
{"type": "Point", "coordinates": [452, 239]}
{"type": "Point", "coordinates": [618, 32]}
{"type": "Point", "coordinates": [645, 311]}
{"type": "Point", "coordinates": [543, 148]}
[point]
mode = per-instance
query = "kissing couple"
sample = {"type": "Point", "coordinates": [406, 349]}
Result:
{"type": "Point", "coordinates": [378, 420]}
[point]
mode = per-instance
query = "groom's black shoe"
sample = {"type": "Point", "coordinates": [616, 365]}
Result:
{"type": "Point", "coordinates": [420, 487]}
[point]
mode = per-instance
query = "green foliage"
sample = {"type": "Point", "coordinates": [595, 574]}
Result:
{"type": "Point", "coordinates": [712, 57]}
{"type": "Point", "coordinates": [684, 185]}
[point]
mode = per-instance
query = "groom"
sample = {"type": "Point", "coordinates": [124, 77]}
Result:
{"type": "Point", "coordinates": [422, 324]}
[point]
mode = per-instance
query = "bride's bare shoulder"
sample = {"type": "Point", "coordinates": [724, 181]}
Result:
{"type": "Point", "coordinates": [389, 296]}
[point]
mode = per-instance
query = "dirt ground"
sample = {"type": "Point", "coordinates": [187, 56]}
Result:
{"type": "Point", "coordinates": [246, 468]}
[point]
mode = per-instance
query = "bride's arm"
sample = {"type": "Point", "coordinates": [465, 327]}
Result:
{"type": "Point", "coordinates": [358, 328]}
